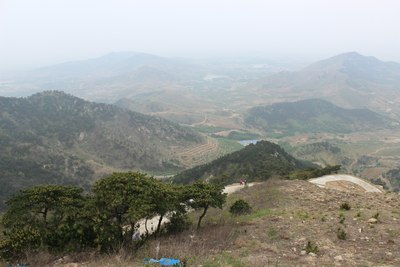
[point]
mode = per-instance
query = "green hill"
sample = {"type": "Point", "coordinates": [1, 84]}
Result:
{"type": "Point", "coordinates": [313, 116]}
{"type": "Point", "coordinates": [254, 162]}
{"type": "Point", "coordinates": [53, 137]}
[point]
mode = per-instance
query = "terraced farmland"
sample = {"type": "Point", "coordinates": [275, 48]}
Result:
{"type": "Point", "coordinates": [199, 154]}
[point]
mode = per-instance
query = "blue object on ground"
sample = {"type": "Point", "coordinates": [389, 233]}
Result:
{"type": "Point", "coordinates": [163, 261]}
{"type": "Point", "coordinates": [166, 261]}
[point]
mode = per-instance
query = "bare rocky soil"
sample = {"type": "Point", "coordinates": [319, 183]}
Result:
{"type": "Point", "coordinates": [366, 235]}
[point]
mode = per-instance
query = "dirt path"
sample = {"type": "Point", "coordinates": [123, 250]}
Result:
{"type": "Point", "coordinates": [152, 223]}
{"type": "Point", "coordinates": [232, 188]}
{"type": "Point", "coordinates": [325, 180]}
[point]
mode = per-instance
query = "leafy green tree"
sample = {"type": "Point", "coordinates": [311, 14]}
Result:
{"type": "Point", "coordinates": [203, 195]}
{"type": "Point", "coordinates": [43, 216]}
{"type": "Point", "coordinates": [164, 198]}
{"type": "Point", "coordinates": [121, 200]}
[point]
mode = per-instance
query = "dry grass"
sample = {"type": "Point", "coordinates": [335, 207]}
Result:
{"type": "Point", "coordinates": [195, 246]}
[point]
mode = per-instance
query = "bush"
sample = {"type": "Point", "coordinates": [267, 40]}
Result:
{"type": "Point", "coordinates": [178, 223]}
{"type": "Point", "coordinates": [341, 234]}
{"type": "Point", "coordinates": [240, 207]}
{"type": "Point", "coordinates": [311, 248]}
{"type": "Point", "coordinates": [345, 206]}
{"type": "Point", "coordinates": [19, 241]}
{"type": "Point", "coordinates": [341, 218]}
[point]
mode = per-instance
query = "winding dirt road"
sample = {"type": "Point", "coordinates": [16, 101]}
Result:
{"type": "Point", "coordinates": [324, 182]}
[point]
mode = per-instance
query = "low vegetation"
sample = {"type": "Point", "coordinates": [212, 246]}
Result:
{"type": "Point", "coordinates": [61, 219]}
{"type": "Point", "coordinates": [240, 207]}
{"type": "Point", "coordinates": [345, 206]}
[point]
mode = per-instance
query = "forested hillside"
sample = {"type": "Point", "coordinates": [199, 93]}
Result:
{"type": "Point", "coordinates": [254, 162]}
{"type": "Point", "coordinates": [313, 116]}
{"type": "Point", "coordinates": [53, 137]}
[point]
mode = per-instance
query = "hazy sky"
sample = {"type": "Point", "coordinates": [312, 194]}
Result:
{"type": "Point", "coordinates": [41, 32]}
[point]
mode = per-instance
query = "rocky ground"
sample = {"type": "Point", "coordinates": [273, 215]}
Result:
{"type": "Point", "coordinates": [366, 235]}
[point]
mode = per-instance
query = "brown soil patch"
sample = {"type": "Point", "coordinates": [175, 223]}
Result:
{"type": "Point", "coordinates": [345, 186]}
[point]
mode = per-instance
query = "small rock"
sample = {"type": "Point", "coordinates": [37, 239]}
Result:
{"type": "Point", "coordinates": [58, 261]}
{"type": "Point", "coordinates": [359, 230]}
{"type": "Point", "coordinates": [389, 253]}
{"type": "Point", "coordinates": [312, 254]}
{"type": "Point", "coordinates": [294, 249]}
{"type": "Point", "coordinates": [372, 220]}
{"type": "Point", "coordinates": [338, 258]}
{"type": "Point", "coordinates": [303, 252]}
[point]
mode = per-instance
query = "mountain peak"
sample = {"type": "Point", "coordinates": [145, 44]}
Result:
{"type": "Point", "coordinates": [351, 54]}
{"type": "Point", "coordinates": [347, 58]}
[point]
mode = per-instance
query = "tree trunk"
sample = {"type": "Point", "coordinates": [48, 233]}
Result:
{"type": "Point", "coordinates": [201, 217]}
{"type": "Point", "coordinates": [45, 217]}
{"type": "Point", "coordinates": [145, 227]}
{"type": "Point", "coordinates": [159, 224]}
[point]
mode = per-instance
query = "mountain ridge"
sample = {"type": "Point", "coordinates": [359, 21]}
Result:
{"type": "Point", "coordinates": [350, 80]}
{"type": "Point", "coordinates": [258, 161]}
{"type": "Point", "coordinates": [52, 137]}
{"type": "Point", "coordinates": [314, 115]}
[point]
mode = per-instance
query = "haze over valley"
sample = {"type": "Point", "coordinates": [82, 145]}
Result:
{"type": "Point", "coordinates": [217, 105]}
{"type": "Point", "coordinates": [122, 125]}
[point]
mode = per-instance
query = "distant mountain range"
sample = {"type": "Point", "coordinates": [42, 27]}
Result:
{"type": "Point", "coordinates": [254, 162]}
{"type": "Point", "coordinates": [188, 91]}
{"type": "Point", "coordinates": [110, 77]}
{"type": "Point", "coordinates": [350, 80]}
{"type": "Point", "coordinates": [314, 116]}
{"type": "Point", "coordinates": [53, 137]}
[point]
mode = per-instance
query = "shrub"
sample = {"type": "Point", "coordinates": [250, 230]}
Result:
{"type": "Point", "coordinates": [341, 218]}
{"type": "Point", "coordinates": [341, 234]}
{"type": "Point", "coordinates": [345, 206]}
{"type": "Point", "coordinates": [178, 223]}
{"type": "Point", "coordinates": [18, 241]}
{"type": "Point", "coordinates": [240, 207]}
{"type": "Point", "coordinates": [311, 248]}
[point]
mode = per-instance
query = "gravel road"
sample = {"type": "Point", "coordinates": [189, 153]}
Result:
{"type": "Point", "coordinates": [322, 182]}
